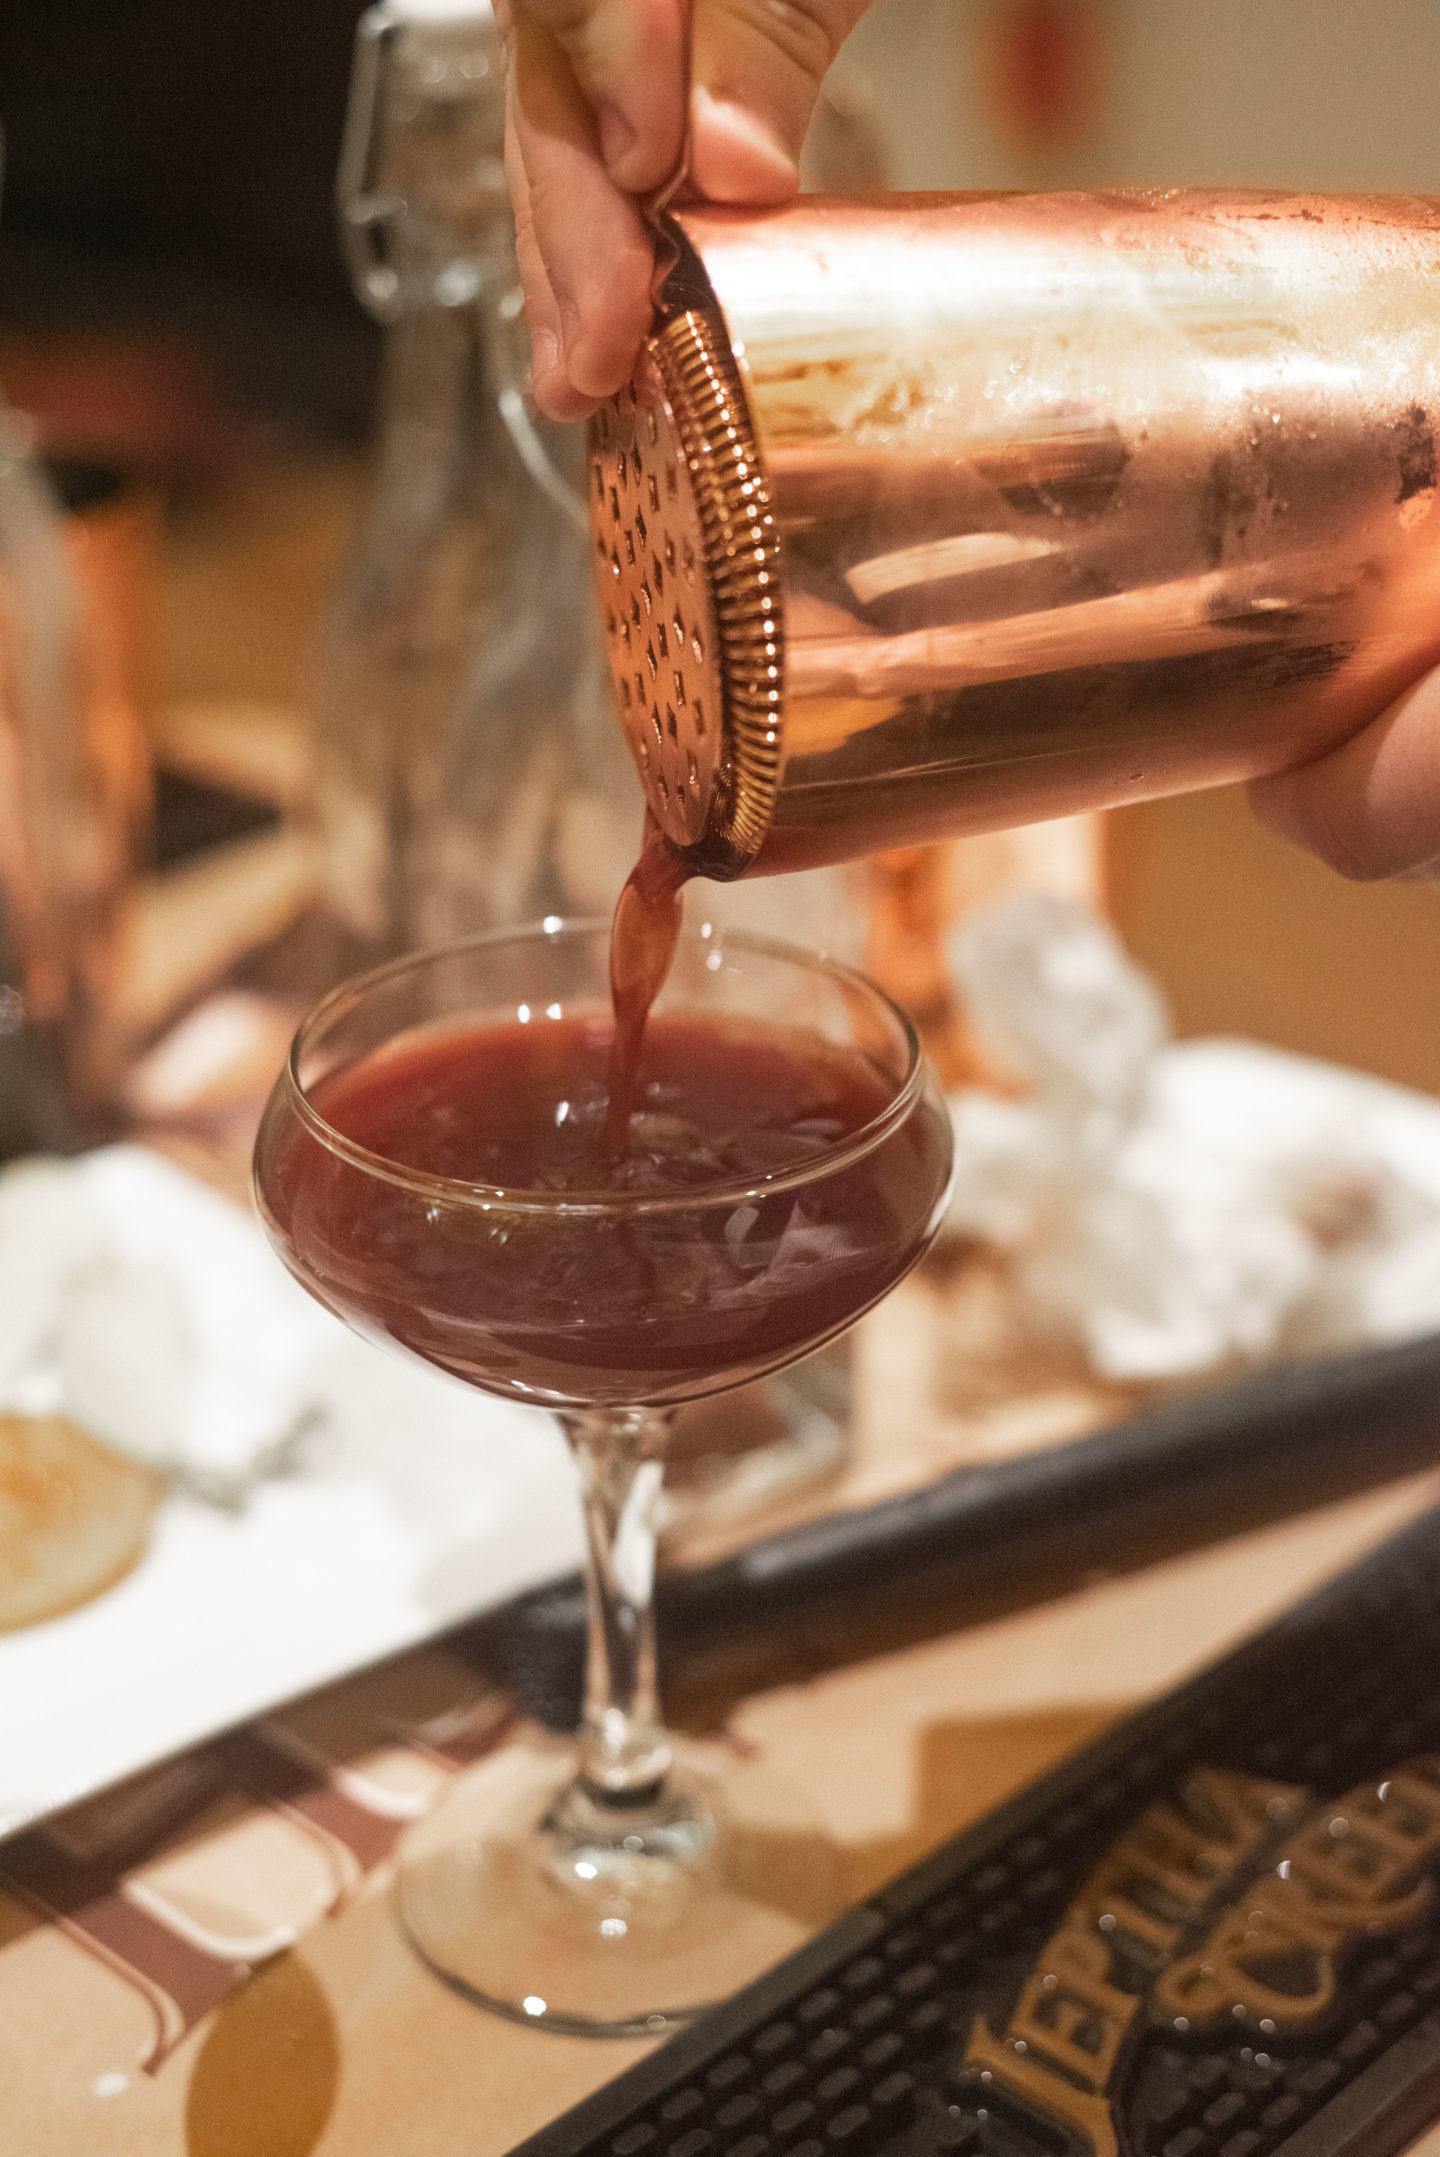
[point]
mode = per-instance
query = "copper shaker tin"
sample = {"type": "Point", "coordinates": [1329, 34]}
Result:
{"type": "Point", "coordinates": [931, 514]}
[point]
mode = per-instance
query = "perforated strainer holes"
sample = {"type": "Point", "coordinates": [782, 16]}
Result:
{"type": "Point", "coordinates": [655, 605]}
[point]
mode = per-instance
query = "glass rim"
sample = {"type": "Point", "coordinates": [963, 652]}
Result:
{"type": "Point", "coordinates": [455, 1190]}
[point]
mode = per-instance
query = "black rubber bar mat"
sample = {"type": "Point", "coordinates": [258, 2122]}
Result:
{"type": "Point", "coordinates": [1213, 1933]}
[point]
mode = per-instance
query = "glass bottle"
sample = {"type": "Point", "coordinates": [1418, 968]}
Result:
{"type": "Point", "coordinates": [469, 771]}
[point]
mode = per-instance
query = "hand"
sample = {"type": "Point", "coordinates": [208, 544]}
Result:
{"type": "Point", "coordinates": [597, 102]}
{"type": "Point", "coordinates": [1372, 807]}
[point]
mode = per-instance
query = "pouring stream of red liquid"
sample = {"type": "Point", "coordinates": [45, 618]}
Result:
{"type": "Point", "coordinates": [643, 936]}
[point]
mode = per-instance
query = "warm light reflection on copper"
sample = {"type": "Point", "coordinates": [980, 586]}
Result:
{"type": "Point", "coordinates": [1078, 498]}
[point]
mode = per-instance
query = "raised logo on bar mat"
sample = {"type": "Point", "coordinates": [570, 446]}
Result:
{"type": "Point", "coordinates": [1215, 1933]}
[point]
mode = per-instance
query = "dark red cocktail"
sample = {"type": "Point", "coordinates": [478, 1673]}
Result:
{"type": "Point", "coordinates": [768, 1195]}
{"type": "Point", "coordinates": [442, 1164]}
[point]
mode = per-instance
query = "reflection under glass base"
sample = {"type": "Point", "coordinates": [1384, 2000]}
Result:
{"type": "Point", "coordinates": [607, 1926]}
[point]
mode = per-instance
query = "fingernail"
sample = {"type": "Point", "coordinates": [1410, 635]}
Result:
{"type": "Point", "coordinates": [735, 154]}
{"type": "Point", "coordinates": [547, 359]}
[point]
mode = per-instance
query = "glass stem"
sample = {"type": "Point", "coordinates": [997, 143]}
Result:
{"type": "Point", "coordinates": [624, 1753]}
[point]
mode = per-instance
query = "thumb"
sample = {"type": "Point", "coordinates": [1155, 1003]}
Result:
{"type": "Point", "coordinates": [756, 70]}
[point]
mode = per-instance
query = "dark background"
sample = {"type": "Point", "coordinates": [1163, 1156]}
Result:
{"type": "Point", "coordinates": [169, 167]}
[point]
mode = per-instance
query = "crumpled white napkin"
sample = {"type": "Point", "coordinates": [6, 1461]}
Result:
{"type": "Point", "coordinates": [331, 1502]}
{"type": "Point", "coordinates": [1178, 1208]}
{"type": "Point", "coordinates": [149, 1309]}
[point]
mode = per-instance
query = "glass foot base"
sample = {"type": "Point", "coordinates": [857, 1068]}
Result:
{"type": "Point", "coordinates": [528, 1897]}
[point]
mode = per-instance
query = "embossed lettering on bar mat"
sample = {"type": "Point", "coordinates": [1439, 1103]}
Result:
{"type": "Point", "coordinates": [1214, 1933]}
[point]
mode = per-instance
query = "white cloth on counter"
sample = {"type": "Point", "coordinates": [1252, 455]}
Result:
{"type": "Point", "coordinates": [1179, 1209]}
{"type": "Point", "coordinates": [150, 1309]}
{"type": "Point", "coordinates": [365, 1502]}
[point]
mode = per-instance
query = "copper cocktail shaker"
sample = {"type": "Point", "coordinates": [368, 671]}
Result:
{"type": "Point", "coordinates": [929, 514]}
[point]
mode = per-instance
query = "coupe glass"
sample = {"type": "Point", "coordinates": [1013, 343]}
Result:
{"type": "Point", "coordinates": [621, 1891]}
